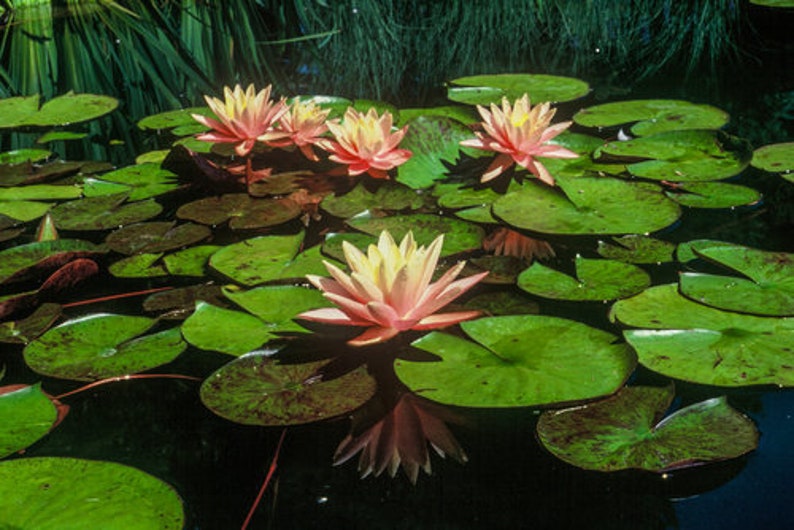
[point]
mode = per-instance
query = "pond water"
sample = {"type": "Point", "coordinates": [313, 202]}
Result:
{"type": "Point", "coordinates": [163, 427]}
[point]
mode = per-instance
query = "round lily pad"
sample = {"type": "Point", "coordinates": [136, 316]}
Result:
{"type": "Point", "coordinates": [713, 195]}
{"type": "Point", "coordinates": [241, 210]}
{"type": "Point", "coordinates": [146, 180]}
{"type": "Point", "coordinates": [684, 156]}
{"type": "Point", "coordinates": [102, 345]}
{"type": "Point", "coordinates": [487, 89]}
{"type": "Point", "coordinates": [26, 415]}
{"type": "Point", "coordinates": [629, 431]}
{"type": "Point", "coordinates": [637, 249]}
{"type": "Point", "coordinates": [27, 261]}
{"type": "Point", "coordinates": [155, 237]}
{"type": "Point", "coordinates": [596, 279]}
{"type": "Point", "coordinates": [225, 330]}
{"type": "Point", "coordinates": [768, 288]}
{"type": "Point", "coordinates": [775, 158]}
{"type": "Point", "coordinates": [174, 118]}
{"type": "Point", "coordinates": [54, 493]}
{"type": "Point", "coordinates": [652, 116]}
{"type": "Point", "coordinates": [102, 213]}
{"type": "Point", "coordinates": [62, 110]}
{"type": "Point", "coordinates": [459, 236]}
{"type": "Point", "coordinates": [258, 390]}
{"type": "Point", "coordinates": [694, 342]}
{"type": "Point", "coordinates": [388, 196]}
{"type": "Point", "coordinates": [18, 156]}
{"type": "Point", "coordinates": [39, 192]}
{"type": "Point", "coordinates": [590, 205]}
{"type": "Point", "coordinates": [518, 361]}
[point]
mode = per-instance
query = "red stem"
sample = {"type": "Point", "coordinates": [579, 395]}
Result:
{"type": "Point", "coordinates": [116, 297]}
{"type": "Point", "coordinates": [127, 377]}
{"type": "Point", "coordinates": [271, 470]}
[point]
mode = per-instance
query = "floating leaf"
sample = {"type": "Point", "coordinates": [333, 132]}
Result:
{"type": "Point", "coordinates": [241, 210]}
{"type": "Point", "coordinates": [637, 249]}
{"type": "Point", "coordinates": [55, 493]}
{"type": "Point", "coordinates": [102, 213]}
{"type": "Point", "coordinates": [60, 136]}
{"type": "Point", "coordinates": [487, 89]}
{"type": "Point", "coordinates": [596, 279]}
{"type": "Point", "coordinates": [139, 266]}
{"type": "Point", "coordinates": [698, 343]}
{"type": "Point", "coordinates": [465, 115]}
{"type": "Point", "coordinates": [388, 196]}
{"type": "Point", "coordinates": [24, 210]}
{"type": "Point", "coordinates": [652, 116]}
{"type": "Point", "coordinates": [713, 195]}
{"type": "Point", "coordinates": [190, 261]}
{"type": "Point", "coordinates": [39, 192]}
{"type": "Point", "coordinates": [431, 140]}
{"type": "Point", "coordinates": [776, 158]}
{"type": "Point", "coordinates": [155, 237]}
{"type": "Point", "coordinates": [518, 361]}
{"type": "Point", "coordinates": [625, 432]}
{"type": "Point", "coordinates": [174, 118]}
{"type": "Point", "coordinates": [225, 330]}
{"type": "Point", "coordinates": [146, 180]}
{"type": "Point", "coordinates": [688, 250]}
{"type": "Point", "coordinates": [503, 303]}
{"type": "Point", "coordinates": [257, 390]}
{"type": "Point", "coordinates": [102, 345]}
{"type": "Point", "coordinates": [26, 415]}
{"type": "Point", "coordinates": [27, 261]}
{"type": "Point", "coordinates": [27, 329]}
{"type": "Point", "coordinates": [71, 108]}
{"type": "Point", "coordinates": [18, 156]}
{"type": "Point", "coordinates": [594, 205]}
{"type": "Point", "coordinates": [277, 305]}
{"type": "Point", "coordinates": [459, 236]}
{"type": "Point", "coordinates": [14, 111]}
{"type": "Point", "coordinates": [768, 291]}
{"type": "Point", "coordinates": [684, 156]}
{"type": "Point", "coordinates": [332, 245]}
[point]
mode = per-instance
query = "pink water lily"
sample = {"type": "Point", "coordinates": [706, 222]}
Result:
{"type": "Point", "coordinates": [244, 118]}
{"type": "Point", "coordinates": [520, 134]}
{"type": "Point", "coordinates": [304, 124]}
{"type": "Point", "coordinates": [389, 290]}
{"type": "Point", "coordinates": [366, 143]}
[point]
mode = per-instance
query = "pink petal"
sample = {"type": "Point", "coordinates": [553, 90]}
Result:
{"type": "Point", "coordinates": [332, 315]}
{"type": "Point", "coordinates": [373, 335]}
{"type": "Point", "coordinates": [441, 320]}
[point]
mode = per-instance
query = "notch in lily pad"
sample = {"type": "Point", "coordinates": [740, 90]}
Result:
{"type": "Point", "coordinates": [629, 431]}
{"type": "Point", "coordinates": [67, 109]}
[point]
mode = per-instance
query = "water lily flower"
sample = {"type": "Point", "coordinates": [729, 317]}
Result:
{"type": "Point", "coordinates": [366, 143]}
{"type": "Point", "coordinates": [506, 242]}
{"type": "Point", "coordinates": [400, 438]}
{"type": "Point", "coordinates": [520, 134]}
{"type": "Point", "coordinates": [304, 124]}
{"type": "Point", "coordinates": [389, 290]}
{"type": "Point", "coordinates": [244, 118]}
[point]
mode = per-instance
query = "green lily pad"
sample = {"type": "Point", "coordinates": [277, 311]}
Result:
{"type": "Point", "coordinates": [155, 237]}
{"type": "Point", "coordinates": [39, 192]}
{"type": "Point", "coordinates": [629, 431]}
{"type": "Point", "coordinates": [225, 330]}
{"type": "Point", "coordinates": [277, 305]}
{"type": "Point", "coordinates": [27, 261]}
{"type": "Point", "coordinates": [487, 89]}
{"type": "Point", "coordinates": [241, 210]}
{"type": "Point", "coordinates": [773, 3]}
{"type": "Point", "coordinates": [388, 196]}
{"type": "Point", "coordinates": [27, 174]}
{"type": "Point", "coordinates": [633, 248]}
{"type": "Point", "coordinates": [431, 140]}
{"type": "Point", "coordinates": [26, 415]}
{"type": "Point", "coordinates": [174, 118]}
{"type": "Point", "coordinates": [139, 266]}
{"type": "Point", "coordinates": [191, 261]}
{"type": "Point", "coordinates": [60, 136]}
{"type": "Point", "coordinates": [694, 342]}
{"type": "Point", "coordinates": [713, 195]}
{"type": "Point", "coordinates": [518, 361]}
{"type": "Point", "coordinates": [27, 329]}
{"type": "Point", "coordinates": [502, 270]}
{"type": "Point", "coordinates": [102, 345]}
{"type": "Point", "coordinates": [776, 158]}
{"type": "Point", "coordinates": [465, 115]}
{"type": "Point", "coordinates": [684, 156]}
{"type": "Point", "coordinates": [53, 493]}
{"type": "Point", "coordinates": [689, 250]}
{"type": "Point", "coordinates": [767, 290]}
{"type": "Point", "coordinates": [93, 187]}
{"type": "Point", "coordinates": [459, 236]}
{"type": "Point", "coordinates": [596, 279]}
{"type": "Point", "coordinates": [152, 157]}
{"type": "Point", "coordinates": [24, 210]}
{"type": "Point", "coordinates": [102, 213]}
{"type": "Point", "coordinates": [332, 244]}
{"type": "Point", "coordinates": [267, 258]}
{"type": "Point", "coordinates": [257, 390]}
{"type": "Point", "coordinates": [71, 108]}
{"type": "Point", "coordinates": [652, 116]}
{"type": "Point", "coordinates": [18, 156]}
{"type": "Point", "coordinates": [147, 180]}
{"type": "Point", "coordinates": [591, 205]}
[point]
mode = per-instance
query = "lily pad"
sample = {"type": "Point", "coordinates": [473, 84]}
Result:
{"type": "Point", "coordinates": [40, 192]}
{"type": "Point", "coordinates": [62, 110]}
{"type": "Point", "coordinates": [261, 259]}
{"type": "Point", "coordinates": [190, 261]}
{"type": "Point", "coordinates": [102, 213]}
{"type": "Point", "coordinates": [241, 210]}
{"type": "Point", "coordinates": [431, 140]}
{"type": "Point", "coordinates": [591, 205]}
{"type": "Point", "coordinates": [713, 195]}
{"type": "Point", "coordinates": [596, 279]}
{"type": "Point", "coordinates": [652, 116]}
{"type": "Point", "coordinates": [277, 305]}
{"type": "Point", "coordinates": [155, 237]}
{"type": "Point", "coordinates": [139, 266]}
{"type": "Point", "coordinates": [487, 89]}
{"type": "Point", "coordinates": [459, 236]}
{"type": "Point", "coordinates": [465, 115]}
{"type": "Point", "coordinates": [258, 390]}
{"type": "Point", "coordinates": [775, 158]}
{"type": "Point", "coordinates": [27, 329]}
{"type": "Point", "coordinates": [629, 431]}
{"type": "Point", "coordinates": [52, 493]}
{"type": "Point", "coordinates": [102, 345]}
{"type": "Point", "coordinates": [60, 136]}
{"type": "Point", "coordinates": [684, 156]}
{"type": "Point", "coordinates": [768, 288]}
{"type": "Point", "coordinates": [174, 118]}
{"type": "Point", "coordinates": [26, 415]}
{"type": "Point", "coordinates": [503, 303]}
{"type": "Point", "coordinates": [225, 330]}
{"type": "Point", "coordinates": [388, 196]}
{"type": "Point", "coordinates": [694, 342]}
{"type": "Point", "coordinates": [633, 248]}
{"type": "Point", "coordinates": [147, 180]}
{"type": "Point", "coordinates": [518, 361]}
{"type": "Point", "coordinates": [27, 261]}
{"type": "Point", "coordinates": [18, 156]}
{"type": "Point", "coordinates": [24, 210]}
